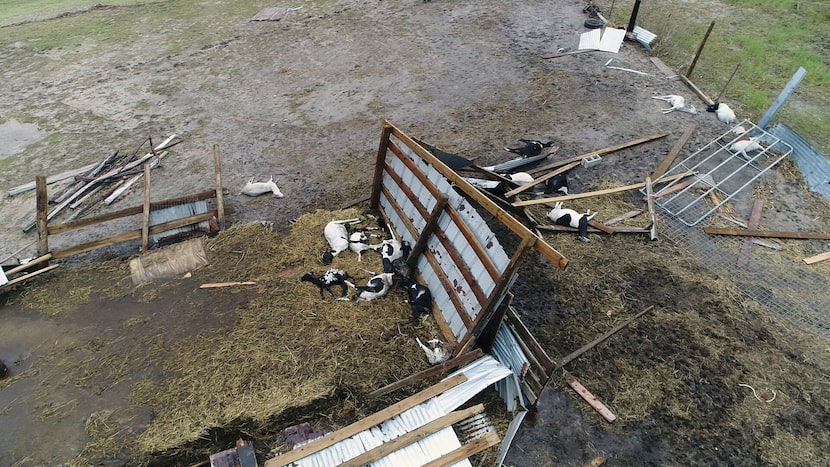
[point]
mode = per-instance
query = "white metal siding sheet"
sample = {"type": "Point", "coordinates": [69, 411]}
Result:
{"type": "Point", "coordinates": [442, 299]}
{"type": "Point", "coordinates": [507, 350]}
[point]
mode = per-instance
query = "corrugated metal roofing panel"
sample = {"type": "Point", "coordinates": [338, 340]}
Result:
{"type": "Point", "coordinates": [160, 216]}
{"type": "Point", "coordinates": [814, 166]}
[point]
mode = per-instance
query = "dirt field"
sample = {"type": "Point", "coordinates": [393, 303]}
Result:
{"type": "Point", "coordinates": [303, 99]}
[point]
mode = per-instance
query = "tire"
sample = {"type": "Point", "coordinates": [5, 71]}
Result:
{"type": "Point", "coordinates": [594, 23]}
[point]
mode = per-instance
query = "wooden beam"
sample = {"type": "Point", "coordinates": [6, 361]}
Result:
{"type": "Point", "coordinates": [539, 180]}
{"type": "Point", "coordinates": [28, 276]}
{"type": "Point", "coordinates": [217, 285]}
{"type": "Point", "coordinates": [376, 418]}
{"type": "Point", "coordinates": [768, 233]}
{"type": "Point", "coordinates": [817, 258]}
{"type": "Point", "coordinates": [598, 152]}
{"type": "Point", "coordinates": [220, 200]}
{"type": "Point", "coordinates": [575, 354]}
{"type": "Point", "coordinates": [12, 254]}
{"type": "Point", "coordinates": [673, 189]}
{"type": "Point", "coordinates": [596, 193]}
{"type": "Point", "coordinates": [754, 223]}
{"type": "Point", "coordinates": [380, 162]}
{"type": "Point", "coordinates": [429, 229]}
{"type": "Point", "coordinates": [375, 454]}
{"type": "Point", "coordinates": [600, 226]}
{"type": "Point", "coordinates": [145, 221]}
{"type": "Point", "coordinates": [616, 229]}
{"type": "Point", "coordinates": [473, 447]}
{"type": "Point", "coordinates": [428, 373]}
{"type": "Point", "coordinates": [131, 235]}
{"type": "Point", "coordinates": [42, 215]}
{"type": "Point", "coordinates": [675, 150]}
{"type": "Point", "coordinates": [132, 211]}
{"type": "Point", "coordinates": [588, 397]}
{"type": "Point", "coordinates": [652, 233]}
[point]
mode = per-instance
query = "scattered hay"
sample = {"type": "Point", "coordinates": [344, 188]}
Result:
{"type": "Point", "coordinates": [288, 348]}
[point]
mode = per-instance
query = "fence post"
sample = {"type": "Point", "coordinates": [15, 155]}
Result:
{"type": "Point", "coordinates": [220, 203]}
{"type": "Point", "coordinates": [41, 216]}
{"type": "Point", "coordinates": [145, 226]}
{"type": "Point", "coordinates": [699, 50]}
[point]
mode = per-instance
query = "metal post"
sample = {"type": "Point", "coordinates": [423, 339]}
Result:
{"type": "Point", "coordinates": [633, 20]}
{"type": "Point", "coordinates": [785, 94]}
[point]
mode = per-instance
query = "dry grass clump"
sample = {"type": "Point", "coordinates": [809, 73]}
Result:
{"type": "Point", "coordinates": [288, 348]}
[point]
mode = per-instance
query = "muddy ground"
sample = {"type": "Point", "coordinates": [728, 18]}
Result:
{"type": "Point", "coordinates": [303, 99]}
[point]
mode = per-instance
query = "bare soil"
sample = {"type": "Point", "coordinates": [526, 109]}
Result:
{"type": "Point", "coordinates": [303, 99]}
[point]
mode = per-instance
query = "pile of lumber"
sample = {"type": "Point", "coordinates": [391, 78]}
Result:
{"type": "Point", "coordinates": [101, 183]}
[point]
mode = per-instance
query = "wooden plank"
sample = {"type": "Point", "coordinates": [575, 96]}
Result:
{"type": "Point", "coordinates": [51, 179]}
{"type": "Point", "coordinates": [131, 235]}
{"type": "Point", "coordinates": [429, 229]}
{"type": "Point", "coordinates": [132, 211]}
{"type": "Point", "coordinates": [597, 193]}
{"type": "Point", "coordinates": [754, 223]}
{"type": "Point", "coordinates": [765, 244]}
{"type": "Point", "coordinates": [697, 90]}
{"type": "Point", "coordinates": [25, 266]}
{"type": "Point", "coordinates": [220, 200]}
{"type": "Point", "coordinates": [622, 217]}
{"type": "Point", "coordinates": [29, 276]}
{"type": "Point", "coordinates": [665, 69]}
{"type": "Point", "coordinates": [428, 373]}
{"type": "Point", "coordinates": [41, 215]}
{"type": "Point", "coordinates": [817, 258]}
{"type": "Point", "coordinates": [526, 338]}
{"type": "Point", "coordinates": [768, 233]}
{"type": "Point", "coordinates": [588, 397]}
{"type": "Point", "coordinates": [617, 229]}
{"type": "Point", "coordinates": [674, 188]}
{"type": "Point", "coordinates": [472, 448]}
{"type": "Point", "coordinates": [652, 232]}
{"type": "Point", "coordinates": [598, 152]}
{"type": "Point", "coordinates": [216, 285]}
{"type": "Point", "coordinates": [539, 180]}
{"type": "Point", "coordinates": [575, 354]}
{"type": "Point", "coordinates": [380, 161]}
{"type": "Point", "coordinates": [675, 150]}
{"type": "Point", "coordinates": [375, 454]}
{"type": "Point", "coordinates": [376, 418]}
{"type": "Point", "coordinates": [145, 221]}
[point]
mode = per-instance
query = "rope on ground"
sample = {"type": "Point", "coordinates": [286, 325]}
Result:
{"type": "Point", "coordinates": [756, 394]}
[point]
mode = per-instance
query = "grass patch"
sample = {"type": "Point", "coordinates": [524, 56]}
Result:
{"type": "Point", "coordinates": [770, 39]}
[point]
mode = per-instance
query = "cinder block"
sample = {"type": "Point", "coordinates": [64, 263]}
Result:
{"type": "Point", "coordinates": [591, 161]}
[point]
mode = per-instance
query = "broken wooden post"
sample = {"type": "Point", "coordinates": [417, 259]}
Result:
{"type": "Point", "coordinates": [675, 150]}
{"type": "Point", "coordinates": [588, 397]}
{"type": "Point", "coordinates": [41, 216]}
{"type": "Point", "coordinates": [145, 224]}
{"type": "Point", "coordinates": [754, 223]}
{"type": "Point", "coordinates": [699, 50]}
{"type": "Point", "coordinates": [220, 203]}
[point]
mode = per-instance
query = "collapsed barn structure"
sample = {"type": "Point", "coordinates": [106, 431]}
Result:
{"type": "Point", "coordinates": [469, 273]}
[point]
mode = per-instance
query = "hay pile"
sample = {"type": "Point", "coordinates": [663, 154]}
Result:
{"type": "Point", "coordinates": [288, 348]}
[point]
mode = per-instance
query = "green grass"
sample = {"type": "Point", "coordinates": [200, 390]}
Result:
{"type": "Point", "coordinates": [770, 39]}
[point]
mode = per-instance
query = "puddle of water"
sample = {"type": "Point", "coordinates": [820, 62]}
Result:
{"type": "Point", "coordinates": [17, 136]}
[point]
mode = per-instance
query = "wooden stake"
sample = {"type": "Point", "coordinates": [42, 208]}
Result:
{"type": "Point", "coordinates": [42, 216]}
{"type": "Point", "coordinates": [145, 224]}
{"type": "Point", "coordinates": [574, 355]}
{"type": "Point", "coordinates": [697, 90]}
{"type": "Point", "coordinates": [220, 200]}
{"type": "Point", "coordinates": [727, 83]}
{"type": "Point", "coordinates": [700, 49]}
{"type": "Point", "coordinates": [588, 397]}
